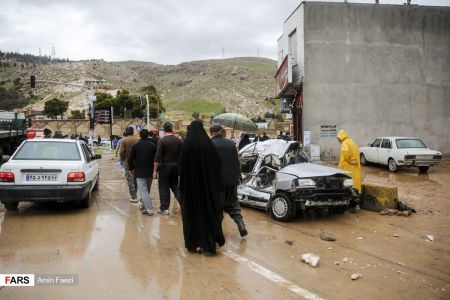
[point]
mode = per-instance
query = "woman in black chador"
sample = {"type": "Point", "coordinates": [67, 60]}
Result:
{"type": "Point", "coordinates": [199, 179]}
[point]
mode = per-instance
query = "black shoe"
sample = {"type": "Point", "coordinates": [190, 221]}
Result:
{"type": "Point", "coordinates": [241, 227]}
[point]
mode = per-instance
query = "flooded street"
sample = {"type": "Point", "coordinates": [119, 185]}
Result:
{"type": "Point", "coordinates": [119, 253]}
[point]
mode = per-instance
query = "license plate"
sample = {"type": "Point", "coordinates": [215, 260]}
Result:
{"type": "Point", "coordinates": [41, 177]}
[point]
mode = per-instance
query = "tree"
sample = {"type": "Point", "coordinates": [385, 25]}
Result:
{"type": "Point", "coordinates": [154, 100]}
{"type": "Point", "coordinates": [55, 107]}
{"type": "Point", "coordinates": [103, 100]}
{"type": "Point", "coordinates": [76, 114]}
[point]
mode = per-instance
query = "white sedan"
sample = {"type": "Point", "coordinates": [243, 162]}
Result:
{"type": "Point", "coordinates": [396, 152]}
{"type": "Point", "coordinates": [41, 170]}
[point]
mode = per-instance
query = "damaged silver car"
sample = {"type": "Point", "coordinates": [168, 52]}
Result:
{"type": "Point", "coordinates": [279, 177]}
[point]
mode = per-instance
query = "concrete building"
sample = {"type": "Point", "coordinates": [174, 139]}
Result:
{"type": "Point", "coordinates": [371, 69]}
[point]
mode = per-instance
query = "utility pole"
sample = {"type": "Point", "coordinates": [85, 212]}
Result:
{"type": "Point", "coordinates": [148, 113]}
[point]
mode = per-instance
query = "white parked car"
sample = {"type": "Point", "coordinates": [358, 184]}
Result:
{"type": "Point", "coordinates": [398, 152]}
{"type": "Point", "coordinates": [41, 170]}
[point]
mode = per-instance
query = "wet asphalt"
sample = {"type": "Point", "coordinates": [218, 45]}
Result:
{"type": "Point", "coordinates": [119, 253]}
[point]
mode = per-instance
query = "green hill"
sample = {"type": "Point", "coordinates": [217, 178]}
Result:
{"type": "Point", "coordinates": [235, 84]}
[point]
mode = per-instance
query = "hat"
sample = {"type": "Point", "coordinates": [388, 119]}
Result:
{"type": "Point", "coordinates": [215, 128]}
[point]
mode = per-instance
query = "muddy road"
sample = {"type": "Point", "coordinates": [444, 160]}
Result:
{"type": "Point", "coordinates": [119, 253]}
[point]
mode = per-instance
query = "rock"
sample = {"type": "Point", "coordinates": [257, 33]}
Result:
{"type": "Point", "coordinates": [346, 260]}
{"type": "Point", "coordinates": [430, 238]}
{"type": "Point", "coordinates": [326, 236]}
{"type": "Point", "coordinates": [399, 263]}
{"type": "Point", "coordinates": [359, 238]}
{"type": "Point", "coordinates": [330, 248]}
{"type": "Point", "coordinates": [337, 263]}
{"type": "Point", "coordinates": [290, 243]}
{"type": "Point", "coordinates": [396, 235]}
{"type": "Point", "coordinates": [356, 276]}
{"type": "Point", "coordinates": [311, 259]}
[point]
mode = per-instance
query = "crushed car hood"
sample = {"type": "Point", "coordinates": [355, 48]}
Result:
{"type": "Point", "coordinates": [310, 170]}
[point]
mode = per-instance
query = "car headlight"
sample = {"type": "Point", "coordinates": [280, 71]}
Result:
{"type": "Point", "coordinates": [348, 182]}
{"type": "Point", "coordinates": [306, 183]}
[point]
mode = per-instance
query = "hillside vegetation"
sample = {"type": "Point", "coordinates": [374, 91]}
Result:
{"type": "Point", "coordinates": [237, 84]}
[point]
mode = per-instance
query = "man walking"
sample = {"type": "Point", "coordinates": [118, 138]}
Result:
{"type": "Point", "coordinates": [124, 152]}
{"type": "Point", "coordinates": [140, 164]}
{"type": "Point", "coordinates": [230, 173]}
{"type": "Point", "coordinates": [166, 159]}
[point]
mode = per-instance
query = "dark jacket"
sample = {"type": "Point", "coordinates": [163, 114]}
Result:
{"type": "Point", "coordinates": [231, 168]}
{"type": "Point", "coordinates": [141, 158]}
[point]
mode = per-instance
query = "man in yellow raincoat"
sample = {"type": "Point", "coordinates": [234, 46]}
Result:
{"type": "Point", "coordinates": [349, 158]}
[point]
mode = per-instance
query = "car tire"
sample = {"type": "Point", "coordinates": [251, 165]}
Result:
{"type": "Point", "coordinates": [86, 202]}
{"type": "Point", "coordinates": [392, 165]}
{"type": "Point", "coordinates": [11, 205]}
{"type": "Point", "coordinates": [97, 183]}
{"type": "Point", "coordinates": [282, 208]}
{"type": "Point", "coordinates": [363, 159]}
{"type": "Point", "coordinates": [424, 169]}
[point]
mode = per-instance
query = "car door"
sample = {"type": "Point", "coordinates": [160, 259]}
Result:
{"type": "Point", "coordinates": [384, 152]}
{"type": "Point", "coordinates": [91, 166]}
{"type": "Point", "coordinates": [372, 151]}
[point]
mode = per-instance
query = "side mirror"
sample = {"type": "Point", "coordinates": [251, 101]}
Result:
{"type": "Point", "coordinates": [98, 156]}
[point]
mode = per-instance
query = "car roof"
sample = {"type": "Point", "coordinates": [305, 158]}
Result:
{"type": "Point", "coordinates": [271, 146]}
{"type": "Point", "coordinates": [53, 140]}
{"type": "Point", "coordinates": [397, 137]}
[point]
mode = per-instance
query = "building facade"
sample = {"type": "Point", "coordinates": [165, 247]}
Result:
{"type": "Point", "coordinates": [370, 69]}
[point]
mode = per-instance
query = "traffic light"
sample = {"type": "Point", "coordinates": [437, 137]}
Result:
{"type": "Point", "coordinates": [33, 81]}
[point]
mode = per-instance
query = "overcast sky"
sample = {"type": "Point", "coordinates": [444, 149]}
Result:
{"type": "Point", "coordinates": [160, 31]}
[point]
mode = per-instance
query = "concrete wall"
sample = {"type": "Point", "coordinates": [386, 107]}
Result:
{"type": "Point", "coordinates": [294, 22]}
{"type": "Point", "coordinates": [69, 127]}
{"type": "Point", "coordinates": [377, 70]}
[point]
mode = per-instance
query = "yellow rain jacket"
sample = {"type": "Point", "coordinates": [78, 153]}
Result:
{"type": "Point", "coordinates": [349, 158]}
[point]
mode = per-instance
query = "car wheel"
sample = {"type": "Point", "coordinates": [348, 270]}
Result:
{"type": "Point", "coordinates": [86, 202]}
{"type": "Point", "coordinates": [11, 205]}
{"type": "Point", "coordinates": [392, 165]}
{"type": "Point", "coordinates": [97, 183]}
{"type": "Point", "coordinates": [424, 169]}
{"type": "Point", "coordinates": [282, 208]}
{"type": "Point", "coordinates": [363, 160]}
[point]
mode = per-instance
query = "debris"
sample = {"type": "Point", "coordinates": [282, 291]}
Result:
{"type": "Point", "coordinates": [311, 259]}
{"type": "Point", "coordinates": [355, 276]}
{"type": "Point", "coordinates": [290, 243]}
{"type": "Point", "coordinates": [391, 212]}
{"type": "Point", "coordinates": [359, 238]}
{"type": "Point", "coordinates": [430, 238]}
{"type": "Point", "coordinates": [396, 235]}
{"type": "Point", "coordinates": [325, 236]}
{"type": "Point", "coordinates": [399, 263]}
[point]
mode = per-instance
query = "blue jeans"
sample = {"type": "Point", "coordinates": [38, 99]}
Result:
{"type": "Point", "coordinates": [143, 187]}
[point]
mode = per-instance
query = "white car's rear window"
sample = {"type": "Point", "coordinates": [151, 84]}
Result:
{"type": "Point", "coordinates": [409, 143]}
{"type": "Point", "coordinates": [41, 150]}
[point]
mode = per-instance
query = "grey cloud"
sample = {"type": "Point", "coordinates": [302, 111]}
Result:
{"type": "Point", "coordinates": [166, 32]}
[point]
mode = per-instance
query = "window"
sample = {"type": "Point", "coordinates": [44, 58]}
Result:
{"type": "Point", "coordinates": [386, 144]}
{"type": "Point", "coordinates": [87, 152]}
{"type": "Point", "coordinates": [376, 143]}
{"type": "Point", "coordinates": [409, 143]}
{"type": "Point", "coordinates": [42, 150]}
